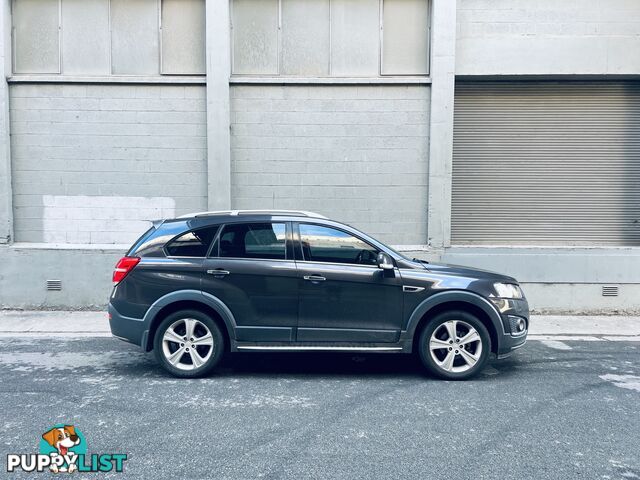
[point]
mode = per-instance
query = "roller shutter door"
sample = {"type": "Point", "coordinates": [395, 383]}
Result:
{"type": "Point", "coordinates": [546, 163]}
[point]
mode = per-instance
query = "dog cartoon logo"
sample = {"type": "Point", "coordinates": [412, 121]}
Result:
{"type": "Point", "coordinates": [63, 440]}
{"type": "Point", "coordinates": [63, 448]}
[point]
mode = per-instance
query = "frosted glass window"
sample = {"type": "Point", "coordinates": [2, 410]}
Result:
{"type": "Point", "coordinates": [405, 37]}
{"type": "Point", "coordinates": [255, 37]}
{"type": "Point", "coordinates": [305, 37]}
{"type": "Point", "coordinates": [85, 37]}
{"type": "Point", "coordinates": [135, 37]}
{"type": "Point", "coordinates": [337, 38]}
{"type": "Point", "coordinates": [36, 36]}
{"type": "Point", "coordinates": [183, 36]}
{"type": "Point", "coordinates": [355, 34]}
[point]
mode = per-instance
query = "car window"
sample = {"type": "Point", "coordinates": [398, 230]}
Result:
{"type": "Point", "coordinates": [253, 240]}
{"type": "Point", "coordinates": [326, 244]}
{"type": "Point", "coordinates": [192, 244]}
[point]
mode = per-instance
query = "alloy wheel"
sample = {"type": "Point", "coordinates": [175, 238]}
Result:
{"type": "Point", "coordinates": [187, 344]}
{"type": "Point", "coordinates": [455, 346]}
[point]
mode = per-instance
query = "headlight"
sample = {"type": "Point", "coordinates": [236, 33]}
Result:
{"type": "Point", "coordinates": [508, 290]}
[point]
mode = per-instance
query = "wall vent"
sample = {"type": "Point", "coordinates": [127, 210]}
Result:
{"type": "Point", "coordinates": [609, 290]}
{"type": "Point", "coordinates": [54, 285]}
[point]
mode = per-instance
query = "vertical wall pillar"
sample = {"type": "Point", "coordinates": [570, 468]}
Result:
{"type": "Point", "coordinates": [218, 116]}
{"type": "Point", "coordinates": [6, 206]}
{"type": "Point", "coordinates": [443, 50]}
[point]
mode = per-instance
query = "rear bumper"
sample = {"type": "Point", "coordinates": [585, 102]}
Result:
{"type": "Point", "coordinates": [132, 330]}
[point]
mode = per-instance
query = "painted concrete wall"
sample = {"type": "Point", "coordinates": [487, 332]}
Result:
{"type": "Point", "coordinates": [500, 37]}
{"type": "Point", "coordinates": [6, 207]}
{"type": "Point", "coordinates": [85, 274]}
{"type": "Point", "coordinates": [91, 162]}
{"type": "Point", "coordinates": [354, 153]}
{"type": "Point", "coordinates": [443, 59]}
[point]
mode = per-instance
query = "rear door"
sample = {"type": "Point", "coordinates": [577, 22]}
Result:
{"type": "Point", "coordinates": [344, 296]}
{"type": "Point", "coordinates": [251, 269]}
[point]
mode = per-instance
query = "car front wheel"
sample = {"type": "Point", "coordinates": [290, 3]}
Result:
{"type": "Point", "coordinates": [454, 345]}
{"type": "Point", "coordinates": [188, 344]}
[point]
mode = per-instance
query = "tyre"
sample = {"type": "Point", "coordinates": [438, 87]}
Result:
{"type": "Point", "coordinates": [188, 344]}
{"type": "Point", "coordinates": [454, 345]}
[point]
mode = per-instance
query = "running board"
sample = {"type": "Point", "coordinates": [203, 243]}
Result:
{"type": "Point", "coordinates": [319, 348]}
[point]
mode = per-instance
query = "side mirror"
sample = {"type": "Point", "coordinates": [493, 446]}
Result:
{"type": "Point", "coordinates": [385, 262]}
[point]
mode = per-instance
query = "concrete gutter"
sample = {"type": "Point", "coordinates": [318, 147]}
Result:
{"type": "Point", "coordinates": [96, 324]}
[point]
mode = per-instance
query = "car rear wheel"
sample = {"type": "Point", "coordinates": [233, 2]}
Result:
{"type": "Point", "coordinates": [454, 345]}
{"type": "Point", "coordinates": [188, 343]}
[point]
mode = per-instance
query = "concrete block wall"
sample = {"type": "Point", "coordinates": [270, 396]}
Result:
{"type": "Point", "coordinates": [548, 37]}
{"type": "Point", "coordinates": [91, 163]}
{"type": "Point", "coordinates": [356, 153]}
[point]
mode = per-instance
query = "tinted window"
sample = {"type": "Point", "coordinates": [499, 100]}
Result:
{"type": "Point", "coordinates": [192, 244]}
{"type": "Point", "coordinates": [253, 240]}
{"type": "Point", "coordinates": [325, 244]}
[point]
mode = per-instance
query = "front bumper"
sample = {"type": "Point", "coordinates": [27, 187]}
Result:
{"type": "Point", "coordinates": [510, 311]}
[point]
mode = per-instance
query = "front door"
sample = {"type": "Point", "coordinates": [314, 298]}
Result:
{"type": "Point", "coordinates": [251, 269]}
{"type": "Point", "coordinates": [344, 296]}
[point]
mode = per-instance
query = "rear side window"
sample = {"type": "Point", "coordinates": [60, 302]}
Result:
{"type": "Point", "coordinates": [253, 240]}
{"type": "Point", "coordinates": [192, 244]}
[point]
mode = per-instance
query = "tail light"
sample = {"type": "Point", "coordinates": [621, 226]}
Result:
{"type": "Point", "coordinates": [123, 267]}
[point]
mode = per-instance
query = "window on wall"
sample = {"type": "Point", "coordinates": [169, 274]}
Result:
{"type": "Point", "coordinates": [330, 38]}
{"type": "Point", "coordinates": [104, 37]}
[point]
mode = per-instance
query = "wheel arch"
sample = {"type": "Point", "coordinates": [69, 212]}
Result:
{"type": "Point", "coordinates": [456, 300]}
{"type": "Point", "coordinates": [188, 300]}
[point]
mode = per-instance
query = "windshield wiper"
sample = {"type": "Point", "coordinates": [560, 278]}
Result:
{"type": "Point", "coordinates": [419, 260]}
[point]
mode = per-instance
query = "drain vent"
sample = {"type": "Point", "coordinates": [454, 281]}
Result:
{"type": "Point", "coordinates": [54, 285]}
{"type": "Point", "coordinates": [609, 290]}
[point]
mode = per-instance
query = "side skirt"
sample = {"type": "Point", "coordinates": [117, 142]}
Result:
{"type": "Point", "coordinates": [319, 347]}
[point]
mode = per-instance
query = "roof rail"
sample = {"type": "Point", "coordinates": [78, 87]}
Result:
{"type": "Point", "coordinates": [235, 213]}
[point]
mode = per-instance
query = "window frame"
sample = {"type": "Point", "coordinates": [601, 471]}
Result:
{"type": "Point", "coordinates": [299, 252]}
{"type": "Point", "coordinates": [278, 76]}
{"type": "Point", "coordinates": [209, 247]}
{"type": "Point", "coordinates": [288, 248]}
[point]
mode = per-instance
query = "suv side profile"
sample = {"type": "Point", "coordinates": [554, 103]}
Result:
{"type": "Point", "coordinates": [195, 287]}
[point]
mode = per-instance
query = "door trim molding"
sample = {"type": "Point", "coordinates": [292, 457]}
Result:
{"type": "Point", "coordinates": [315, 347]}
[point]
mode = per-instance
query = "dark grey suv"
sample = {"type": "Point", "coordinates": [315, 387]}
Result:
{"type": "Point", "coordinates": [194, 287]}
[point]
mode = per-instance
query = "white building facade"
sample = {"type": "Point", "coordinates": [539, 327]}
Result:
{"type": "Point", "coordinates": [503, 134]}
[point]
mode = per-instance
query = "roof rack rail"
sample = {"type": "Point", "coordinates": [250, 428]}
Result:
{"type": "Point", "coordinates": [235, 213]}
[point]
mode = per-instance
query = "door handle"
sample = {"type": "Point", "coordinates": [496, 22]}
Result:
{"type": "Point", "coordinates": [314, 278]}
{"type": "Point", "coordinates": [218, 273]}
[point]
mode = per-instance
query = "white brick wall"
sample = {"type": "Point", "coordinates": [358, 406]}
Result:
{"type": "Point", "coordinates": [354, 153]}
{"type": "Point", "coordinates": [548, 37]}
{"type": "Point", "coordinates": [121, 141]}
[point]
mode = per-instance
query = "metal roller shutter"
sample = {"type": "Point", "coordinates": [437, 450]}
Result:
{"type": "Point", "coordinates": [546, 163]}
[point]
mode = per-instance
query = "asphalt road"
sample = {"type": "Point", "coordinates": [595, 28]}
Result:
{"type": "Point", "coordinates": [562, 410]}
